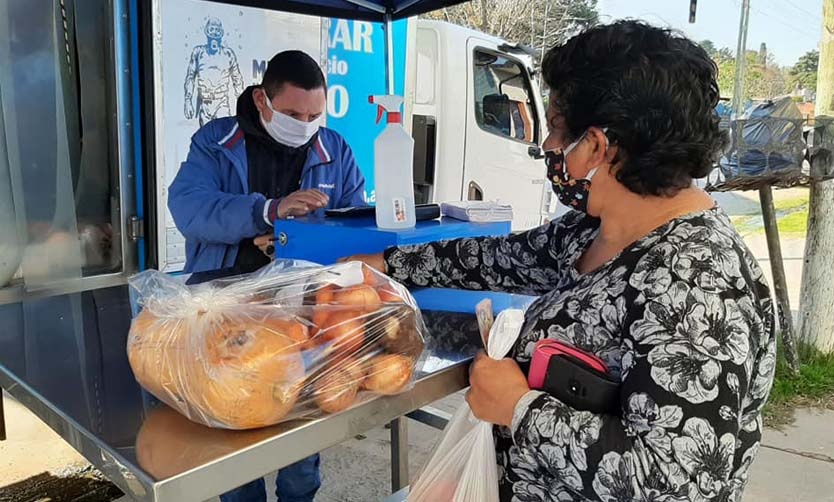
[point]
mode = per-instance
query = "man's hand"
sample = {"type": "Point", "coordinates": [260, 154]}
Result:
{"type": "Point", "coordinates": [265, 244]}
{"type": "Point", "coordinates": [375, 261]}
{"type": "Point", "coordinates": [496, 387]}
{"type": "Point", "coordinates": [302, 203]}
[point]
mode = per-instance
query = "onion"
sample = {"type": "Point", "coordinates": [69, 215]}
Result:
{"type": "Point", "coordinates": [336, 390]}
{"type": "Point", "coordinates": [388, 374]}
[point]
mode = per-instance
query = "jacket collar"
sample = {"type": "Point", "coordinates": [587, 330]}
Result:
{"type": "Point", "coordinates": [321, 151]}
{"type": "Point", "coordinates": [234, 137]}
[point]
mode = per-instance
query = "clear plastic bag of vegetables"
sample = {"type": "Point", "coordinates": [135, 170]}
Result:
{"type": "Point", "coordinates": [289, 341]}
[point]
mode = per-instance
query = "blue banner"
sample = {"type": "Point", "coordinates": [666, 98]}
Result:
{"type": "Point", "coordinates": [356, 70]}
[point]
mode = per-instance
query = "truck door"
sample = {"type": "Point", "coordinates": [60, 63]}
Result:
{"type": "Point", "coordinates": [503, 130]}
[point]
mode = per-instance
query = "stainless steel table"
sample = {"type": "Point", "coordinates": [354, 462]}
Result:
{"type": "Point", "coordinates": [64, 358]}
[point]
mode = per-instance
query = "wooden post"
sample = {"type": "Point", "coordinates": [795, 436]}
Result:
{"type": "Point", "coordinates": [816, 321]}
{"type": "Point", "coordinates": [780, 283]}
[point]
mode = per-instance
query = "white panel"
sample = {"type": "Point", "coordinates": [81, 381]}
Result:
{"type": "Point", "coordinates": [250, 38]}
{"type": "Point", "coordinates": [426, 66]}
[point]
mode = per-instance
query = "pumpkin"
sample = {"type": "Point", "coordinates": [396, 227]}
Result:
{"type": "Point", "coordinates": [156, 348]}
{"type": "Point", "coordinates": [237, 373]}
{"type": "Point", "coordinates": [361, 296]}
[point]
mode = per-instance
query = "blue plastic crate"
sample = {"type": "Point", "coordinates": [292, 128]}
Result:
{"type": "Point", "coordinates": [325, 240]}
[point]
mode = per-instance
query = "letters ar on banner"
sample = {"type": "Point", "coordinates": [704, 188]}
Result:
{"type": "Point", "coordinates": [356, 70]}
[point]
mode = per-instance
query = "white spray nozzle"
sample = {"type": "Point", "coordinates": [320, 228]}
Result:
{"type": "Point", "coordinates": [390, 102]}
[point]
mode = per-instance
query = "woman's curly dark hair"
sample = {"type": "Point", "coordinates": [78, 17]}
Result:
{"type": "Point", "coordinates": [653, 89]}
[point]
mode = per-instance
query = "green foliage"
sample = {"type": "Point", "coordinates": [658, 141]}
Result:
{"type": "Point", "coordinates": [804, 73]}
{"type": "Point", "coordinates": [791, 218]}
{"type": "Point", "coordinates": [762, 79]}
{"type": "Point", "coordinates": [709, 47]}
{"type": "Point", "coordinates": [814, 386]}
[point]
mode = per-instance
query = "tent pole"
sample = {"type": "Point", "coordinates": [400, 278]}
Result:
{"type": "Point", "coordinates": [389, 53]}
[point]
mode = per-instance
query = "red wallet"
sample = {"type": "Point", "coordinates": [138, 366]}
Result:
{"type": "Point", "coordinates": [573, 376]}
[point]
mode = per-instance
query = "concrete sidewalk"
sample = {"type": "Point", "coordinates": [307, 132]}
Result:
{"type": "Point", "coordinates": [796, 463]}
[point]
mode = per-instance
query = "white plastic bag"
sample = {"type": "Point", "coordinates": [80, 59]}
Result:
{"type": "Point", "coordinates": [463, 466]}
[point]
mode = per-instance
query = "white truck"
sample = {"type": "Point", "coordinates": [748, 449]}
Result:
{"type": "Point", "coordinates": [476, 114]}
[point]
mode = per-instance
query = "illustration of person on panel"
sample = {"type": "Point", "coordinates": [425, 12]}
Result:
{"type": "Point", "coordinates": [213, 80]}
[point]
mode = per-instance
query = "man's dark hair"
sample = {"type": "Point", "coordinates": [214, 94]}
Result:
{"type": "Point", "coordinates": [653, 89]}
{"type": "Point", "coordinates": [292, 67]}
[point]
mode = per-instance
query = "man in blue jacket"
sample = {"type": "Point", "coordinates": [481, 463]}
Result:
{"type": "Point", "coordinates": [272, 161]}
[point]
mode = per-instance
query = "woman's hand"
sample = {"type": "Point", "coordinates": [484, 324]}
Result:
{"type": "Point", "coordinates": [496, 387]}
{"type": "Point", "coordinates": [375, 261]}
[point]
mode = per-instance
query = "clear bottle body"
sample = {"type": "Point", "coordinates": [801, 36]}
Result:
{"type": "Point", "coordinates": [393, 178]}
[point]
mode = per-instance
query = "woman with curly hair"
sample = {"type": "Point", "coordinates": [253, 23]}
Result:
{"type": "Point", "coordinates": [646, 272]}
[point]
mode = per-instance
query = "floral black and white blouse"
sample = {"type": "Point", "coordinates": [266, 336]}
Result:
{"type": "Point", "coordinates": [683, 317]}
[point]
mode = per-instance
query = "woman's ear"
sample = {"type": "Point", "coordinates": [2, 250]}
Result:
{"type": "Point", "coordinates": [600, 145]}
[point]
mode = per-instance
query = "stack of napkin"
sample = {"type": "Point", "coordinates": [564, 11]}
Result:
{"type": "Point", "coordinates": [478, 211]}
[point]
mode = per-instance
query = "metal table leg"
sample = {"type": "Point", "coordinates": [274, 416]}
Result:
{"type": "Point", "coordinates": [399, 454]}
{"type": "Point", "coordinates": [431, 417]}
{"type": "Point", "coordinates": [2, 419]}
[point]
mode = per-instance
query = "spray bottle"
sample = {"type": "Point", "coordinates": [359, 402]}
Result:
{"type": "Point", "coordinates": [393, 161]}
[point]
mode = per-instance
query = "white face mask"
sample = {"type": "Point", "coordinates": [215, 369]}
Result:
{"type": "Point", "coordinates": [287, 130]}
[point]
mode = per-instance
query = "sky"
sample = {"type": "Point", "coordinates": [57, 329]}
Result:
{"type": "Point", "coordinates": [790, 28]}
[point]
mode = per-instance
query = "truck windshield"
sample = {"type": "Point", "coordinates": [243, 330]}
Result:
{"type": "Point", "coordinates": [503, 97]}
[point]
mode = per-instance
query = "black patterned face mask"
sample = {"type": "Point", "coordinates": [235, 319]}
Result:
{"type": "Point", "coordinates": [571, 192]}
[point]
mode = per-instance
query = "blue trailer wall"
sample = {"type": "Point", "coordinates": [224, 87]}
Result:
{"type": "Point", "coordinates": [356, 70]}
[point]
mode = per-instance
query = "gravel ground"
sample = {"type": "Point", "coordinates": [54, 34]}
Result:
{"type": "Point", "coordinates": [83, 484]}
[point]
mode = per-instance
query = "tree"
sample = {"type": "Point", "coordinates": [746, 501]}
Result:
{"type": "Point", "coordinates": [724, 54]}
{"type": "Point", "coordinates": [726, 77]}
{"type": "Point", "coordinates": [709, 47]}
{"type": "Point", "coordinates": [803, 75]}
{"type": "Point", "coordinates": [538, 23]}
{"type": "Point", "coordinates": [763, 78]}
{"type": "Point", "coordinates": [816, 317]}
